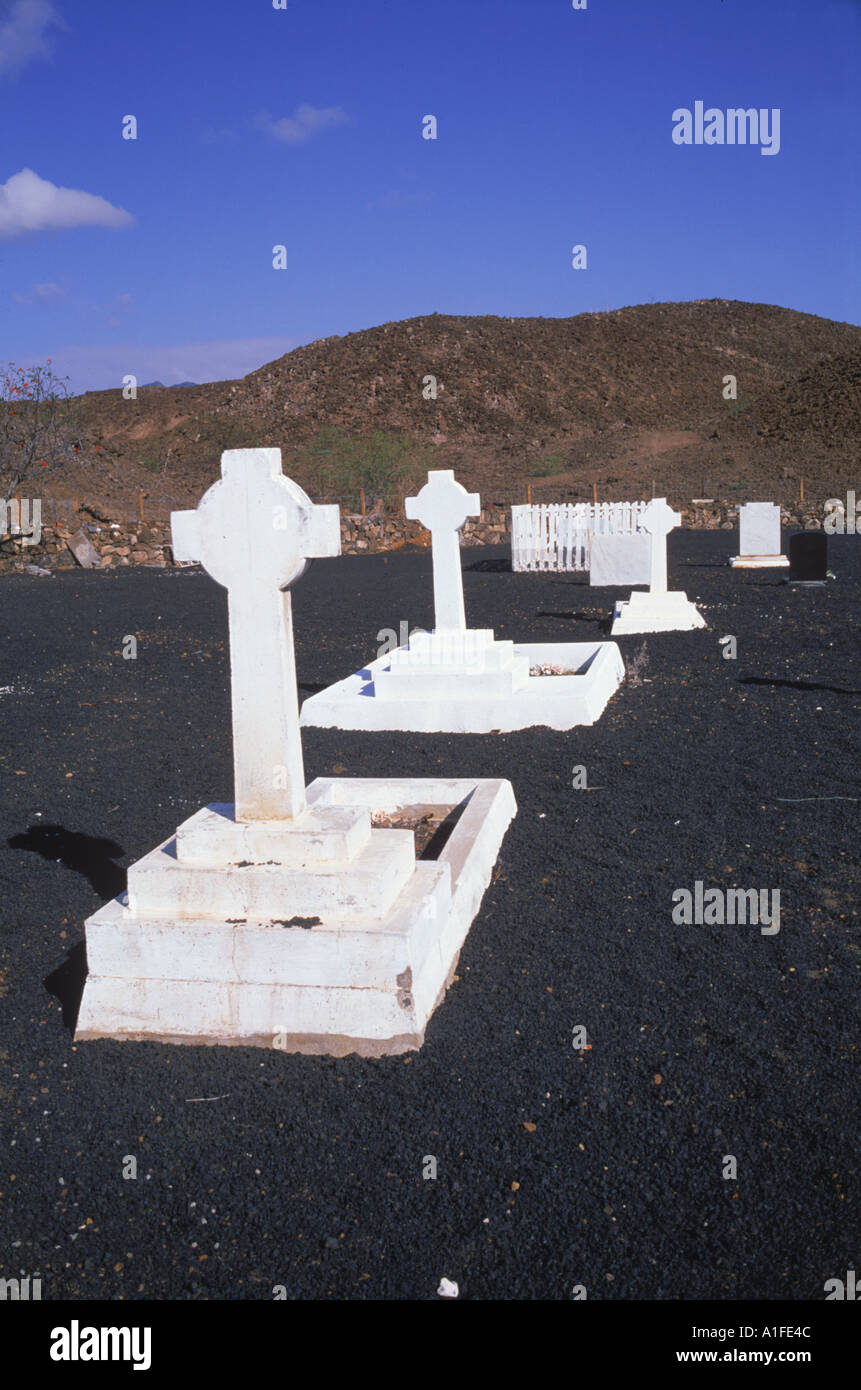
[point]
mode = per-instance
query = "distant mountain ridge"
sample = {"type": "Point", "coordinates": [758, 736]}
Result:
{"type": "Point", "coordinates": [168, 388]}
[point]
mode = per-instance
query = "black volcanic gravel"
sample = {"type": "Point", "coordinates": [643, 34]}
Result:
{"type": "Point", "coordinates": [555, 1167]}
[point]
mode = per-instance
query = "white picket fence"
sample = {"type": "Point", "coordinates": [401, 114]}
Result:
{"type": "Point", "coordinates": [557, 536]}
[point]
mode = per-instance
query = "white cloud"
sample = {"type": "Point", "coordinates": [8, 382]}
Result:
{"type": "Point", "coordinates": [305, 122]}
{"type": "Point", "coordinates": [23, 33]}
{"type": "Point", "coordinates": [30, 204]}
{"type": "Point", "coordinates": [40, 294]}
{"type": "Point", "coordinates": [100, 368]}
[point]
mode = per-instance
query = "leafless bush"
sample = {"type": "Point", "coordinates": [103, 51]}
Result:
{"type": "Point", "coordinates": [37, 429]}
{"type": "Point", "coordinates": [637, 665]}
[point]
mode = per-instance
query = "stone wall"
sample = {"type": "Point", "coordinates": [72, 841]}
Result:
{"type": "Point", "coordinates": [380, 531]}
{"type": "Point", "coordinates": [717, 516]}
{"type": "Point", "coordinates": [116, 544]}
{"type": "Point", "coordinates": [120, 544]}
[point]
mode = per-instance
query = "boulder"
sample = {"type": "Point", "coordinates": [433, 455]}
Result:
{"type": "Point", "coordinates": [84, 551]}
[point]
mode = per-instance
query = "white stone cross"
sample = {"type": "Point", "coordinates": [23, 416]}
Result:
{"type": "Point", "coordinates": [659, 519]}
{"type": "Point", "coordinates": [443, 506]}
{"type": "Point", "coordinates": [254, 532]}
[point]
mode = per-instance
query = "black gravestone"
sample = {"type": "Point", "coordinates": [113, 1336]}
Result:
{"type": "Point", "coordinates": [808, 557]}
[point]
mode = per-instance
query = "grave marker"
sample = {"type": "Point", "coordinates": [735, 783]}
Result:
{"type": "Point", "coordinates": [759, 537]}
{"type": "Point", "coordinates": [461, 680]}
{"type": "Point", "coordinates": [442, 507]}
{"type": "Point", "coordinates": [237, 535]}
{"type": "Point", "coordinates": [659, 520]}
{"type": "Point", "coordinates": [658, 610]}
{"type": "Point", "coordinates": [200, 948]}
{"type": "Point", "coordinates": [808, 557]}
{"type": "Point", "coordinates": [620, 559]}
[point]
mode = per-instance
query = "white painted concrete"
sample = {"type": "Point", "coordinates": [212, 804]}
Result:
{"type": "Point", "coordinates": [160, 885]}
{"type": "Point", "coordinates": [366, 984]}
{"type": "Point", "coordinates": [464, 703]}
{"type": "Point", "coordinates": [620, 559]}
{"type": "Point", "coordinates": [287, 919]}
{"type": "Point", "coordinates": [254, 532]}
{"type": "Point", "coordinates": [458, 679]}
{"type": "Point", "coordinates": [214, 837]}
{"type": "Point", "coordinates": [658, 610]}
{"type": "Point", "coordinates": [443, 506]}
{"type": "Point", "coordinates": [659, 519]}
{"type": "Point", "coordinates": [670, 612]}
{"type": "Point", "coordinates": [759, 537]}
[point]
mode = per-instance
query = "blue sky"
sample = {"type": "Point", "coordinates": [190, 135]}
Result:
{"type": "Point", "coordinates": [303, 127]}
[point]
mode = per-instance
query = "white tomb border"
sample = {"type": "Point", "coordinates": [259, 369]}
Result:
{"type": "Point", "coordinates": [462, 680]}
{"type": "Point", "coordinates": [658, 609]}
{"type": "Point", "coordinates": [286, 919]}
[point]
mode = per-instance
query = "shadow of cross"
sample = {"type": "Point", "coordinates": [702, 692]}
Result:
{"type": "Point", "coordinates": [442, 506]}
{"type": "Point", "coordinates": [659, 519]}
{"type": "Point", "coordinates": [254, 532]}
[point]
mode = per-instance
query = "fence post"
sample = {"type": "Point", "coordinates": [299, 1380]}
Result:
{"type": "Point", "coordinates": [362, 500]}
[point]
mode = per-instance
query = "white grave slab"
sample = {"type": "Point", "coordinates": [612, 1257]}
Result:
{"type": "Point", "coordinates": [620, 559]}
{"type": "Point", "coordinates": [659, 610]}
{"type": "Point", "coordinates": [288, 918]}
{"type": "Point", "coordinates": [458, 679]}
{"type": "Point", "coordinates": [759, 537]}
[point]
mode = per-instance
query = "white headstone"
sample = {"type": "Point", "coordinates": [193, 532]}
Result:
{"type": "Point", "coordinates": [620, 559]}
{"type": "Point", "coordinates": [759, 528]}
{"type": "Point", "coordinates": [254, 532]}
{"type": "Point", "coordinates": [443, 506]}
{"type": "Point", "coordinates": [759, 536]}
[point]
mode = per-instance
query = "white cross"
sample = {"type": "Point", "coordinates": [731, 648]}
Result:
{"type": "Point", "coordinates": [254, 532]}
{"type": "Point", "coordinates": [443, 506]}
{"type": "Point", "coordinates": [659, 519]}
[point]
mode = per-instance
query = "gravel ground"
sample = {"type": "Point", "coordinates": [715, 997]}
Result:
{"type": "Point", "coordinates": [556, 1167]}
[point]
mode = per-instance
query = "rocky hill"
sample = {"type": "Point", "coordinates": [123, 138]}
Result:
{"type": "Point", "coordinates": [624, 399]}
